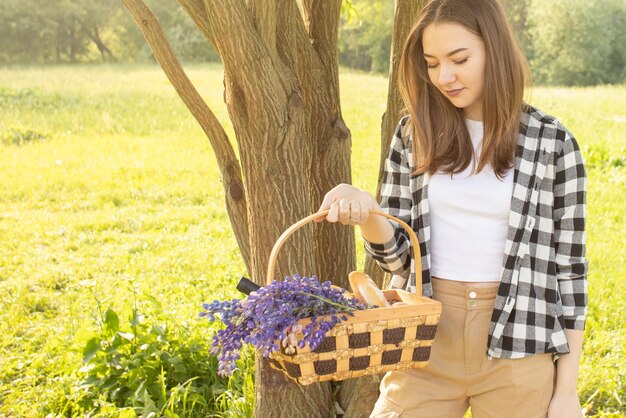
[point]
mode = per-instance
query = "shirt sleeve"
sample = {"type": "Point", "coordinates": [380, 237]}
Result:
{"type": "Point", "coordinates": [570, 188]}
{"type": "Point", "coordinates": [396, 200]}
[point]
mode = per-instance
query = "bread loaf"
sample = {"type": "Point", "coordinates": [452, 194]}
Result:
{"type": "Point", "coordinates": [366, 290]}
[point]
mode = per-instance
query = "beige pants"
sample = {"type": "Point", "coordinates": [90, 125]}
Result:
{"type": "Point", "coordinates": [459, 373]}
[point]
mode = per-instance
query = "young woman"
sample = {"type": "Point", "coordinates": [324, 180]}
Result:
{"type": "Point", "coordinates": [495, 190]}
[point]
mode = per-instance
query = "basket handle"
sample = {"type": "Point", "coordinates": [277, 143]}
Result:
{"type": "Point", "coordinates": [417, 259]}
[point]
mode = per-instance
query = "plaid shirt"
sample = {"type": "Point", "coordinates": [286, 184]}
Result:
{"type": "Point", "coordinates": [543, 285]}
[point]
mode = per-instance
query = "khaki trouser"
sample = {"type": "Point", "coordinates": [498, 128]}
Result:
{"type": "Point", "coordinates": [459, 373]}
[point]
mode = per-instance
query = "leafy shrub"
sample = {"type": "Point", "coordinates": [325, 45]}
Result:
{"type": "Point", "coordinates": [11, 97]}
{"type": "Point", "coordinates": [14, 136]}
{"type": "Point", "coordinates": [145, 368]}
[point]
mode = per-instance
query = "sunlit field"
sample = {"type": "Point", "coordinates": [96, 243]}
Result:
{"type": "Point", "coordinates": [113, 231]}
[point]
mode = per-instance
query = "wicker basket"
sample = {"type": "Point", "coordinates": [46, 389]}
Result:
{"type": "Point", "coordinates": [370, 342]}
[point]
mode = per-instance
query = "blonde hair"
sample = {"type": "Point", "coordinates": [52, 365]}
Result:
{"type": "Point", "coordinates": [440, 139]}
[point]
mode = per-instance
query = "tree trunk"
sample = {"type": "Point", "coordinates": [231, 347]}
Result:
{"type": "Point", "coordinates": [404, 18]}
{"type": "Point", "coordinates": [104, 50]}
{"type": "Point", "coordinates": [266, 104]}
{"type": "Point", "coordinates": [72, 42]}
{"type": "Point", "coordinates": [282, 95]}
{"type": "Point", "coordinates": [358, 396]}
{"type": "Point", "coordinates": [58, 45]}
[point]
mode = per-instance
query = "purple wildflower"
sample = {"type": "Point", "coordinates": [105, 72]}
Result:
{"type": "Point", "coordinates": [269, 316]}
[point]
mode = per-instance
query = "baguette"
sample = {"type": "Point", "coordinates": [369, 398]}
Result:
{"type": "Point", "coordinates": [365, 290]}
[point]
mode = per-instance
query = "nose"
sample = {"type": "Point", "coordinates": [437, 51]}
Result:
{"type": "Point", "coordinates": [446, 74]}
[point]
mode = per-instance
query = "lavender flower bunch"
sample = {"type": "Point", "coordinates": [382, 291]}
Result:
{"type": "Point", "coordinates": [269, 316]}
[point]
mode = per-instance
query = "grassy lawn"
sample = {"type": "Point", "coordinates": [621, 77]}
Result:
{"type": "Point", "coordinates": [113, 231]}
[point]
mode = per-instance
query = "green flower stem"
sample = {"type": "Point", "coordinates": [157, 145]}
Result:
{"type": "Point", "coordinates": [330, 302]}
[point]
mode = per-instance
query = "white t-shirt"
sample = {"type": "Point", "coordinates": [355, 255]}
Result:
{"type": "Point", "coordinates": [469, 216]}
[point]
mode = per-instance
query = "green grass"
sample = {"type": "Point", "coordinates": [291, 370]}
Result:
{"type": "Point", "coordinates": [110, 200]}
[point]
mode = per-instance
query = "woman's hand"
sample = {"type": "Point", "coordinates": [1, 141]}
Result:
{"type": "Point", "coordinates": [565, 405]}
{"type": "Point", "coordinates": [348, 205]}
{"type": "Point", "coordinates": [351, 206]}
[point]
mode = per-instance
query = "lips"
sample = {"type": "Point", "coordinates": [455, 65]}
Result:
{"type": "Point", "coordinates": [454, 93]}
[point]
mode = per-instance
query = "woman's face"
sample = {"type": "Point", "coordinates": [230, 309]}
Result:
{"type": "Point", "coordinates": [456, 65]}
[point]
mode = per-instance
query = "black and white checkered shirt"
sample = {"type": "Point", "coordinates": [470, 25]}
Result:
{"type": "Point", "coordinates": [543, 285]}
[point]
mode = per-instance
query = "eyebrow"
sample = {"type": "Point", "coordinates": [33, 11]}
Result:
{"type": "Point", "coordinates": [449, 54]}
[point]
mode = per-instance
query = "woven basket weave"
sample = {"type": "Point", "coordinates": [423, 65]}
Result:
{"type": "Point", "coordinates": [370, 342]}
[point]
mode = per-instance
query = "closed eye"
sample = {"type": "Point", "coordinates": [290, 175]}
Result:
{"type": "Point", "coordinates": [460, 62]}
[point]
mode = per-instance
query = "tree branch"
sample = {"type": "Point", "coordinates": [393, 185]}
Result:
{"type": "Point", "coordinates": [224, 153]}
{"type": "Point", "coordinates": [94, 34]}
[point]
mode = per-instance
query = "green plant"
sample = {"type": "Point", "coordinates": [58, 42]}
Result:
{"type": "Point", "coordinates": [16, 136]}
{"type": "Point", "coordinates": [148, 366]}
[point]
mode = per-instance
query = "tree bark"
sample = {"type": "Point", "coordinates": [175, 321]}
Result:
{"type": "Point", "coordinates": [310, 49]}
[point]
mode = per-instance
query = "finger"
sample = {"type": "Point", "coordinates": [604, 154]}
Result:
{"type": "Point", "coordinates": [327, 201]}
{"type": "Point", "coordinates": [321, 217]}
{"type": "Point", "coordinates": [329, 198]}
{"type": "Point", "coordinates": [333, 213]}
{"type": "Point", "coordinates": [355, 212]}
{"type": "Point", "coordinates": [365, 213]}
{"type": "Point", "coordinates": [344, 211]}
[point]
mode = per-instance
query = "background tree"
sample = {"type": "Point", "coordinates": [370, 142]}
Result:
{"type": "Point", "coordinates": [282, 94]}
{"type": "Point", "coordinates": [22, 29]}
{"type": "Point", "coordinates": [517, 12]}
{"type": "Point", "coordinates": [39, 32]}
{"type": "Point", "coordinates": [365, 39]}
{"type": "Point", "coordinates": [578, 42]}
{"type": "Point", "coordinates": [42, 32]}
